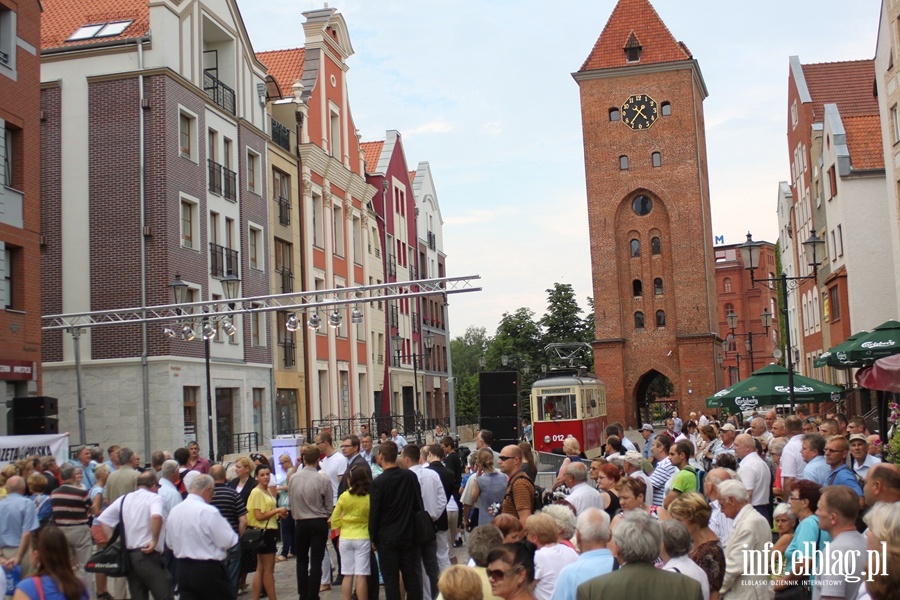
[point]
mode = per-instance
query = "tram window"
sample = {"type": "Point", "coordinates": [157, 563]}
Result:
{"type": "Point", "coordinates": [655, 246]}
{"type": "Point", "coordinates": [635, 248]}
{"type": "Point", "coordinates": [658, 286]}
{"type": "Point", "coordinates": [637, 288]}
{"type": "Point", "coordinates": [660, 318]}
{"type": "Point", "coordinates": [638, 320]}
{"type": "Point", "coordinates": [560, 407]}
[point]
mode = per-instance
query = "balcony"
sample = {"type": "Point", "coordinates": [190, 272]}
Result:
{"type": "Point", "coordinates": [281, 135]}
{"type": "Point", "coordinates": [218, 92]}
{"type": "Point", "coordinates": [288, 352]}
{"type": "Point", "coordinates": [395, 317]}
{"type": "Point", "coordinates": [432, 240]}
{"type": "Point", "coordinates": [215, 176]}
{"type": "Point", "coordinates": [287, 280]}
{"type": "Point", "coordinates": [230, 178]}
{"type": "Point", "coordinates": [222, 261]}
{"type": "Point", "coordinates": [380, 359]}
{"type": "Point", "coordinates": [284, 210]}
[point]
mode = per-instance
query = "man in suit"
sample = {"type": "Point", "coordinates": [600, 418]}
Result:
{"type": "Point", "coordinates": [636, 544]}
{"type": "Point", "coordinates": [751, 532]}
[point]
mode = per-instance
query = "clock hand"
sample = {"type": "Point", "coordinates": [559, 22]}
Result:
{"type": "Point", "coordinates": [640, 111]}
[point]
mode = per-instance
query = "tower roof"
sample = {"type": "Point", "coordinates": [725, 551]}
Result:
{"type": "Point", "coordinates": [634, 24]}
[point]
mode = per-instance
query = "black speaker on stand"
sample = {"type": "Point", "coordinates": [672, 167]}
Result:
{"type": "Point", "coordinates": [499, 398]}
{"type": "Point", "coordinates": [35, 415]}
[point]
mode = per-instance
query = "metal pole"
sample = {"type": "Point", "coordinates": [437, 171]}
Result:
{"type": "Point", "coordinates": [209, 405]}
{"type": "Point", "coordinates": [750, 350]}
{"type": "Point", "coordinates": [787, 340]}
{"type": "Point", "coordinates": [416, 379]}
{"type": "Point", "coordinates": [450, 379]}
{"type": "Point", "coordinates": [76, 343]}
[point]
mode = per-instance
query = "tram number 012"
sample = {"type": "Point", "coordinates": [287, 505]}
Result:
{"type": "Point", "coordinates": [558, 438]}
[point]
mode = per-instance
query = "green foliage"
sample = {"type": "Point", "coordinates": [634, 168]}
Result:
{"type": "Point", "coordinates": [660, 387]}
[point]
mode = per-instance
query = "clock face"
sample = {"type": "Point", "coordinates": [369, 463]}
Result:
{"type": "Point", "coordinates": [640, 112]}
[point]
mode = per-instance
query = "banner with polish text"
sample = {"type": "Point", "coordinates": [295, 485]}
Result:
{"type": "Point", "coordinates": [16, 447]}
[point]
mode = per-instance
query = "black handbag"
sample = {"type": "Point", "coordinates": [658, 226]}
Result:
{"type": "Point", "coordinates": [254, 538]}
{"type": "Point", "coordinates": [424, 526]}
{"type": "Point", "coordinates": [113, 560]}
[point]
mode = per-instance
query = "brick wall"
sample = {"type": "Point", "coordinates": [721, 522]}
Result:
{"type": "Point", "coordinates": [51, 219]}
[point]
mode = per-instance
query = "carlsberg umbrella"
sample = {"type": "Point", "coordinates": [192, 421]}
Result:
{"type": "Point", "coordinates": [769, 386]}
{"type": "Point", "coordinates": [882, 341]}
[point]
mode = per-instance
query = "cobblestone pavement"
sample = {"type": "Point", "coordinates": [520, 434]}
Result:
{"type": "Point", "coordinates": [286, 578]}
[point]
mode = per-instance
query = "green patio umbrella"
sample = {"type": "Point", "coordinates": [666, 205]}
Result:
{"type": "Point", "coordinates": [769, 386]}
{"type": "Point", "coordinates": [837, 356]}
{"type": "Point", "coordinates": [882, 341]}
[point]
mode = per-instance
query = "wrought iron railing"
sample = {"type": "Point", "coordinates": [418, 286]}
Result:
{"type": "Point", "coordinates": [284, 210]}
{"type": "Point", "coordinates": [243, 442]}
{"type": "Point", "coordinates": [287, 280]}
{"type": "Point", "coordinates": [288, 352]}
{"type": "Point", "coordinates": [218, 92]}
{"type": "Point", "coordinates": [395, 317]}
{"type": "Point", "coordinates": [215, 176]}
{"type": "Point", "coordinates": [432, 240]}
{"type": "Point", "coordinates": [413, 427]}
{"type": "Point", "coordinates": [230, 178]}
{"type": "Point", "coordinates": [222, 260]}
{"type": "Point", "coordinates": [281, 135]}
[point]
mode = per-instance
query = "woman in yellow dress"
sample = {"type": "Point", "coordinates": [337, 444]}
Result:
{"type": "Point", "coordinates": [262, 513]}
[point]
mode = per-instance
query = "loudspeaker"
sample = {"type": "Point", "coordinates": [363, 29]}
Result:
{"type": "Point", "coordinates": [498, 394]}
{"type": "Point", "coordinates": [35, 426]}
{"type": "Point", "coordinates": [497, 382]}
{"type": "Point", "coordinates": [505, 430]}
{"type": "Point", "coordinates": [39, 406]}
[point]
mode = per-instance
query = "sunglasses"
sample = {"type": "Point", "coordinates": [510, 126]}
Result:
{"type": "Point", "coordinates": [502, 458]}
{"type": "Point", "coordinates": [500, 575]}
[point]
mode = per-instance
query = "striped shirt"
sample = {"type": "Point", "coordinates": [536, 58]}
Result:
{"type": "Point", "coordinates": [70, 505]}
{"type": "Point", "coordinates": [229, 504]}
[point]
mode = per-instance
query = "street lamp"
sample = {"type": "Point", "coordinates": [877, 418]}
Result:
{"type": "Point", "coordinates": [732, 320]}
{"type": "Point", "coordinates": [812, 249]}
{"type": "Point", "coordinates": [428, 342]}
{"type": "Point", "coordinates": [231, 286]}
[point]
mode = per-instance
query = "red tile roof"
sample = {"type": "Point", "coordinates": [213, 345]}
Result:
{"type": "Point", "coordinates": [286, 66]}
{"type": "Point", "coordinates": [62, 18]}
{"type": "Point", "coordinates": [864, 141]}
{"type": "Point", "coordinates": [372, 153]}
{"type": "Point", "coordinates": [639, 19]}
{"type": "Point", "coordinates": [412, 176]}
{"type": "Point", "coordinates": [848, 84]}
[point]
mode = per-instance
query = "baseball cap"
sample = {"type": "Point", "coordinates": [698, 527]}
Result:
{"type": "Point", "coordinates": [646, 427]}
{"type": "Point", "coordinates": [635, 459]}
{"type": "Point", "coordinates": [727, 427]}
{"type": "Point", "coordinates": [859, 437]}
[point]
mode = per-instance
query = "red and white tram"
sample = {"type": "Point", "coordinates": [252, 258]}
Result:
{"type": "Point", "coordinates": [567, 402]}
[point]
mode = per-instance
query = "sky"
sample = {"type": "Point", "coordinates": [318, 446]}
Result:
{"type": "Point", "coordinates": [483, 91]}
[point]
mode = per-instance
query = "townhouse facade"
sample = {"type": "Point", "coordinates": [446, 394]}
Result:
{"type": "Point", "coordinates": [20, 207]}
{"type": "Point", "coordinates": [153, 144]}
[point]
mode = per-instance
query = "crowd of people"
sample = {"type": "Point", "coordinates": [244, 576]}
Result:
{"type": "Point", "coordinates": [674, 519]}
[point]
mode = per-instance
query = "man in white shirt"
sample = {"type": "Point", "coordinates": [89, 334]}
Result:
{"type": "Point", "coordinates": [755, 474]}
{"type": "Point", "coordinates": [398, 439]}
{"type": "Point", "coordinates": [704, 420]}
{"type": "Point", "coordinates": [664, 470]}
{"type": "Point", "coordinates": [633, 465]}
{"type": "Point", "coordinates": [676, 543]}
{"type": "Point", "coordinates": [142, 516]}
{"type": "Point", "coordinates": [617, 429]}
{"type": "Point", "coordinates": [792, 463]}
{"type": "Point", "coordinates": [333, 464]}
{"type": "Point", "coordinates": [582, 496]}
{"type": "Point", "coordinates": [168, 476]}
{"type": "Point", "coordinates": [200, 537]}
{"type": "Point", "coordinates": [758, 430]}
{"type": "Point", "coordinates": [434, 501]}
{"type": "Point", "coordinates": [728, 433]}
{"type": "Point", "coordinates": [860, 459]}
{"type": "Point", "coordinates": [719, 522]}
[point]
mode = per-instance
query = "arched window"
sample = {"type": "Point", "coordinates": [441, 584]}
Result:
{"type": "Point", "coordinates": [635, 248]}
{"type": "Point", "coordinates": [655, 246]}
{"type": "Point", "coordinates": [638, 320]}
{"type": "Point", "coordinates": [658, 286]}
{"type": "Point", "coordinates": [660, 318]}
{"type": "Point", "coordinates": [729, 308]}
{"type": "Point", "coordinates": [656, 159]}
{"type": "Point", "coordinates": [665, 109]}
{"type": "Point", "coordinates": [614, 114]}
{"type": "Point", "coordinates": [623, 163]}
{"type": "Point", "coordinates": [730, 344]}
{"type": "Point", "coordinates": [637, 287]}
{"type": "Point", "coordinates": [727, 283]}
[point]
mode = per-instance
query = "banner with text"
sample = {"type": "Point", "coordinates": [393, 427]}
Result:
{"type": "Point", "coordinates": [15, 447]}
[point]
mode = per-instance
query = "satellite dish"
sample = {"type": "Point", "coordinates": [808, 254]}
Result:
{"type": "Point", "coordinates": [776, 353]}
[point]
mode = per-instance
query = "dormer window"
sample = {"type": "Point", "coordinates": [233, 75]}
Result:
{"type": "Point", "coordinates": [633, 49]}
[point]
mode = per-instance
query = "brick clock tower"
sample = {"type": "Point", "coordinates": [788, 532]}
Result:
{"type": "Point", "coordinates": [649, 217]}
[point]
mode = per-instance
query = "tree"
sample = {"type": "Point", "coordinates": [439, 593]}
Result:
{"type": "Point", "coordinates": [563, 323]}
{"type": "Point", "coordinates": [660, 387]}
{"type": "Point", "coordinates": [517, 335]}
{"type": "Point", "coordinates": [467, 351]}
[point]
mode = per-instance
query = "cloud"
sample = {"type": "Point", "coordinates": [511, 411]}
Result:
{"type": "Point", "coordinates": [429, 127]}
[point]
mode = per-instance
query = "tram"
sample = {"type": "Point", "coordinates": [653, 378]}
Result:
{"type": "Point", "coordinates": [568, 401]}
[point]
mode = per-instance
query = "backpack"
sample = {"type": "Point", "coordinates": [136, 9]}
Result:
{"type": "Point", "coordinates": [699, 475]}
{"type": "Point", "coordinates": [538, 500]}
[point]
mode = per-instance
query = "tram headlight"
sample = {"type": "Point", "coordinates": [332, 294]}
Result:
{"type": "Point", "coordinates": [546, 439]}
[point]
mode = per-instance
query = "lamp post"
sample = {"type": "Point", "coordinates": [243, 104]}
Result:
{"type": "Point", "coordinates": [811, 252]}
{"type": "Point", "coordinates": [230, 289]}
{"type": "Point", "coordinates": [428, 342]}
{"type": "Point", "coordinates": [765, 318]}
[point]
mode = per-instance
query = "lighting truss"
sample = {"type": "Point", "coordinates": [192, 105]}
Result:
{"type": "Point", "coordinates": [296, 301]}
